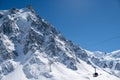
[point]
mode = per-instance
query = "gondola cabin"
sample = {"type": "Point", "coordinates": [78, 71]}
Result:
{"type": "Point", "coordinates": [95, 74]}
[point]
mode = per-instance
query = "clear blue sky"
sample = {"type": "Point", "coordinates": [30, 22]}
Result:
{"type": "Point", "coordinates": [91, 24]}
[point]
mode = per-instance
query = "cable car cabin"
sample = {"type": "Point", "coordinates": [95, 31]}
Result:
{"type": "Point", "coordinates": [95, 74]}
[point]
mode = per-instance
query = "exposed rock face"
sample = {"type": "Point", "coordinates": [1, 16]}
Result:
{"type": "Point", "coordinates": [117, 67]}
{"type": "Point", "coordinates": [6, 48]}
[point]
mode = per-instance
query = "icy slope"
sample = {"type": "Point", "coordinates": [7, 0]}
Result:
{"type": "Point", "coordinates": [32, 49]}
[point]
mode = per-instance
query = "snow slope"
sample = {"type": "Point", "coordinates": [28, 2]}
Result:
{"type": "Point", "coordinates": [60, 72]}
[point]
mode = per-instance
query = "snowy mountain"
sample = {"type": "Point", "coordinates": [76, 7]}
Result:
{"type": "Point", "coordinates": [32, 49]}
{"type": "Point", "coordinates": [109, 62]}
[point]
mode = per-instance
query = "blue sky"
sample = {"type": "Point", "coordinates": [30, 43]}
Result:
{"type": "Point", "coordinates": [91, 24]}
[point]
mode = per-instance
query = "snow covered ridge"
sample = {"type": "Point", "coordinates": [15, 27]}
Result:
{"type": "Point", "coordinates": [110, 62]}
{"type": "Point", "coordinates": [32, 49]}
